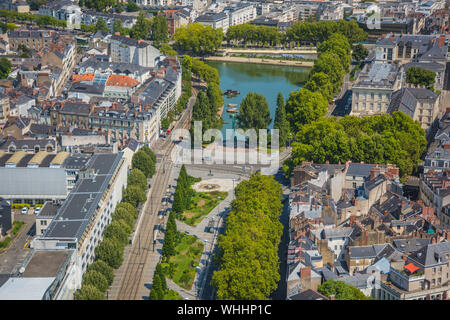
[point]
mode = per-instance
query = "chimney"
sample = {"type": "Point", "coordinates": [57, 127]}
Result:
{"type": "Point", "coordinates": [352, 220]}
{"type": "Point", "coordinates": [433, 240]}
{"type": "Point", "coordinates": [305, 273]}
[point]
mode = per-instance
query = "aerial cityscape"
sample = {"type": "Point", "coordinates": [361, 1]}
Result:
{"type": "Point", "coordinates": [224, 150]}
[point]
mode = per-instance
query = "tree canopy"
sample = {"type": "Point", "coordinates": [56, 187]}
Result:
{"type": "Point", "coordinates": [376, 139]}
{"type": "Point", "coordinates": [304, 107]}
{"type": "Point", "coordinates": [137, 178]}
{"type": "Point", "coordinates": [89, 292]}
{"type": "Point", "coordinates": [5, 67]}
{"type": "Point", "coordinates": [96, 279]}
{"type": "Point", "coordinates": [110, 250]}
{"type": "Point", "coordinates": [144, 162]}
{"type": "Point", "coordinates": [102, 267]}
{"type": "Point", "coordinates": [248, 251]}
{"type": "Point", "coordinates": [134, 195]}
{"type": "Point", "coordinates": [341, 291]}
{"type": "Point", "coordinates": [160, 29]}
{"type": "Point", "coordinates": [198, 38]}
{"type": "Point", "coordinates": [254, 112]}
{"type": "Point", "coordinates": [281, 122]}
{"type": "Point", "coordinates": [420, 76]}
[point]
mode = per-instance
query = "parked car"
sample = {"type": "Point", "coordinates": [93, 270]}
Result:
{"type": "Point", "coordinates": [24, 210]}
{"type": "Point", "coordinates": [37, 210]}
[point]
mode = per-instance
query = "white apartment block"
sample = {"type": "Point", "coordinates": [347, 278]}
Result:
{"type": "Point", "coordinates": [124, 49]}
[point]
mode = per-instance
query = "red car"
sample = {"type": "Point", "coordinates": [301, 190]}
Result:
{"type": "Point", "coordinates": [168, 132]}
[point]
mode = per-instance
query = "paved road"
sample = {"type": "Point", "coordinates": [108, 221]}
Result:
{"type": "Point", "coordinates": [133, 278]}
{"type": "Point", "coordinates": [12, 259]}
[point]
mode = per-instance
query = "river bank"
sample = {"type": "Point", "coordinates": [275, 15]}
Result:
{"type": "Point", "coordinates": [262, 61]}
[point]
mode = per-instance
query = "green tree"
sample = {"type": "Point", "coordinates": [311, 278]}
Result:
{"type": "Point", "coordinates": [117, 25]}
{"type": "Point", "coordinates": [96, 279]}
{"type": "Point", "coordinates": [103, 268]}
{"type": "Point", "coordinates": [320, 82]}
{"type": "Point", "coordinates": [134, 195]}
{"type": "Point", "coordinates": [198, 39]}
{"type": "Point", "coordinates": [110, 250]}
{"type": "Point", "coordinates": [132, 6]}
{"type": "Point", "coordinates": [137, 178]}
{"type": "Point", "coordinates": [128, 207]}
{"type": "Point", "coordinates": [5, 68]}
{"type": "Point", "coordinates": [281, 122]}
{"type": "Point", "coordinates": [160, 29]}
{"type": "Point", "coordinates": [170, 236]}
{"type": "Point", "coordinates": [304, 107]}
{"type": "Point", "coordinates": [149, 152]}
{"type": "Point", "coordinates": [168, 50]}
{"type": "Point", "coordinates": [359, 52]}
{"type": "Point", "coordinates": [142, 161]}
{"type": "Point", "coordinates": [248, 251]}
{"type": "Point", "coordinates": [126, 215]}
{"type": "Point", "coordinates": [101, 25]}
{"type": "Point", "coordinates": [341, 291]}
{"type": "Point", "coordinates": [141, 28]}
{"type": "Point", "coordinates": [337, 44]}
{"type": "Point", "coordinates": [88, 292]}
{"type": "Point", "coordinates": [119, 230]}
{"type": "Point", "coordinates": [420, 76]}
{"type": "Point", "coordinates": [254, 112]}
{"type": "Point", "coordinates": [329, 63]}
{"type": "Point", "coordinates": [159, 285]}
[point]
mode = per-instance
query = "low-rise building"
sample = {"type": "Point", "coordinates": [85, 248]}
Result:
{"type": "Point", "coordinates": [215, 20]}
{"type": "Point", "coordinates": [373, 88]}
{"type": "Point", "coordinates": [420, 104]}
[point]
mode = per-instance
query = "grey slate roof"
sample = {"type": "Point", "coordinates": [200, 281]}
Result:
{"type": "Point", "coordinates": [410, 244]}
{"type": "Point", "coordinates": [359, 169]}
{"type": "Point", "coordinates": [76, 211]}
{"type": "Point", "coordinates": [31, 182]}
{"type": "Point", "coordinates": [212, 17]}
{"type": "Point", "coordinates": [406, 100]}
{"type": "Point", "coordinates": [428, 255]}
{"type": "Point", "coordinates": [308, 295]}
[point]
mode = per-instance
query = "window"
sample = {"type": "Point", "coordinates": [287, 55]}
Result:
{"type": "Point", "coordinates": [43, 222]}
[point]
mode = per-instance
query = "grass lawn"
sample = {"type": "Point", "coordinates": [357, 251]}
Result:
{"type": "Point", "coordinates": [172, 295]}
{"type": "Point", "coordinates": [201, 204]}
{"type": "Point", "coordinates": [181, 266]}
{"type": "Point", "coordinates": [16, 227]}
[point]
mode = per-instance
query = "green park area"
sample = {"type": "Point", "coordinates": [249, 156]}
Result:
{"type": "Point", "coordinates": [181, 266]}
{"type": "Point", "coordinates": [201, 205]}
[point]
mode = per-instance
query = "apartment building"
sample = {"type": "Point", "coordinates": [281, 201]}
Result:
{"type": "Point", "coordinates": [90, 17]}
{"type": "Point", "coordinates": [124, 49]}
{"type": "Point", "coordinates": [81, 220]}
{"type": "Point", "coordinates": [36, 40]}
{"type": "Point", "coordinates": [4, 108]}
{"type": "Point", "coordinates": [411, 48]}
{"type": "Point", "coordinates": [423, 276]}
{"type": "Point", "coordinates": [240, 13]}
{"type": "Point", "coordinates": [215, 20]}
{"type": "Point", "coordinates": [63, 10]}
{"type": "Point", "coordinates": [420, 104]}
{"type": "Point", "coordinates": [434, 189]}
{"type": "Point", "coordinates": [373, 88]}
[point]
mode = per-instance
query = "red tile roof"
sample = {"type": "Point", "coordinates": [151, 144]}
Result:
{"type": "Point", "coordinates": [115, 80]}
{"type": "Point", "coordinates": [83, 77]}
